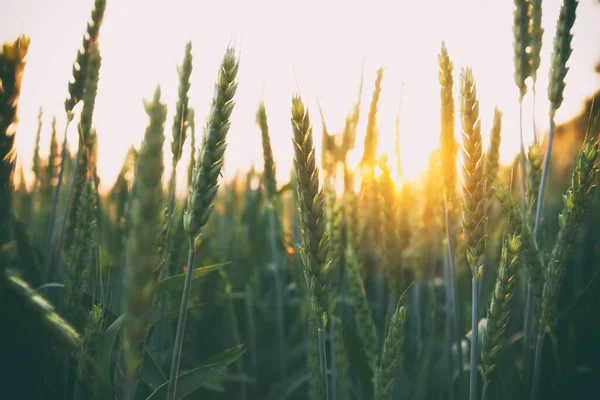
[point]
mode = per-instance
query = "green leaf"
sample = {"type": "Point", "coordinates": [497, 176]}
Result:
{"type": "Point", "coordinates": [151, 373]}
{"type": "Point", "coordinates": [175, 283]}
{"type": "Point", "coordinates": [106, 345]}
{"type": "Point", "coordinates": [192, 380]}
{"type": "Point", "coordinates": [104, 351]}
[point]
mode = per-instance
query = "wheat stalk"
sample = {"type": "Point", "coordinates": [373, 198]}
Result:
{"type": "Point", "coordinates": [141, 272]}
{"type": "Point", "coordinates": [12, 65]}
{"type": "Point", "coordinates": [191, 124]}
{"type": "Point", "coordinates": [391, 355]}
{"type": "Point", "coordinates": [371, 137]}
{"type": "Point", "coordinates": [558, 71]}
{"type": "Point", "coordinates": [492, 155]}
{"type": "Point", "coordinates": [576, 202]}
{"type": "Point", "coordinates": [204, 188]}
{"type": "Point", "coordinates": [85, 167]}
{"type": "Point", "coordinates": [449, 148]}
{"type": "Point", "coordinates": [536, 32]}
{"type": "Point", "coordinates": [499, 309]}
{"type": "Point", "coordinates": [76, 89]}
{"type": "Point", "coordinates": [270, 185]}
{"type": "Point", "coordinates": [315, 239]}
{"type": "Point", "coordinates": [81, 255]}
{"type": "Point", "coordinates": [474, 204]}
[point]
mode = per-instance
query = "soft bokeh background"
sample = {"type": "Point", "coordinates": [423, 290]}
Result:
{"type": "Point", "coordinates": [315, 46]}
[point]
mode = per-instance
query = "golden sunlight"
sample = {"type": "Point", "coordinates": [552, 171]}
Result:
{"type": "Point", "coordinates": [285, 49]}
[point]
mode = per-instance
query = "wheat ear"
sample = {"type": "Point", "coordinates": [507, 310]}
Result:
{"type": "Point", "coordinates": [577, 200]}
{"type": "Point", "coordinates": [204, 188]}
{"type": "Point", "coordinates": [499, 310]}
{"type": "Point", "coordinates": [140, 277]}
{"type": "Point", "coordinates": [315, 239]}
{"type": "Point", "coordinates": [474, 205]}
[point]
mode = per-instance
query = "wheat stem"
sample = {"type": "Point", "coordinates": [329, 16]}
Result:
{"type": "Point", "coordinates": [543, 182]}
{"type": "Point", "coordinates": [473, 371]}
{"type": "Point", "coordinates": [204, 188]}
{"type": "Point", "coordinates": [279, 299]}
{"type": "Point", "coordinates": [323, 365]}
{"type": "Point", "coordinates": [187, 288]}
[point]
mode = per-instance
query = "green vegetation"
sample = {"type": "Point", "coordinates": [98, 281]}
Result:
{"type": "Point", "coordinates": [306, 289]}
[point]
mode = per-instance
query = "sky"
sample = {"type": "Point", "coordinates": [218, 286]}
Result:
{"type": "Point", "coordinates": [316, 47]}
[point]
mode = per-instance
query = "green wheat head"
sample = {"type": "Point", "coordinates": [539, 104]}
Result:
{"type": "Point", "coordinates": [315, 239]}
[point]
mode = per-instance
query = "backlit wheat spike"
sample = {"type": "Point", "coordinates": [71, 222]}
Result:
{"type": "Point", "coordinates": [182, 109]}
{"type": "Point", "coordinates": [499, 310]}
{"type": "Point", "coordinates": [448, 143]}
{"type": "Point", "coordinates": [81, 259]}
{"type": "Point", "coordinates": [191, 124]}
{"type": "Point", "coordinates": [315, 239]}
{"type": "Point", "coordinates": [210, 161]}
{"type": "Point", "coordinates": [576, 202]}
{"type": "Point", "coordinates": [474, 205]}
{"type": "Point", "coordinates": [492, 156]}
{"type": "Point", "coordinates": [142, 258]}
{"type": "Point", "coordinates": [521, 41]}
{"type": "Point", "coordinates": [536, 32]}
{"type": "Point", "coordinates": [204, 188]}
{"type": "Point", "coordinates": [372, 135]}
{"type": "Point", "coordinates": [86, 165]}
{"type": "Point", "coordinates": [269, 164]}
{"type": "Point", "coordinates": [391, 355]}
{"type": "Point", "coordinates": [561, 53]}
{"type": "Point", "coordinates": [80, 67]}
{"type": "Point", "coordinates": [314, 249]}
{"type": "Point", "coordinates": [12, 65]}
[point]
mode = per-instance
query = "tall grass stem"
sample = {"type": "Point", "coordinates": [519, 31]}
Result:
{"type": "Point", "coordinates": [323, 364]}
{"type": "Point", "coordinates": [187, 288]}
{"type": "Point", "coordinates": [473, 370]}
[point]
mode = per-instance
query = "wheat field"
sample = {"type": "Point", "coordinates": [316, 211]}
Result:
{"type": "Point", "coordinates": [479, 280]}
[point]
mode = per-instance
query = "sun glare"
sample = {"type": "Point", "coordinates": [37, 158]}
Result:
{"type": "Point", "coordinates": [142, 42]}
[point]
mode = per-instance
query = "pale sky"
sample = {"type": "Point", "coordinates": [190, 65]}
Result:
{"type": "Point", "coordinates": [319, 43]}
